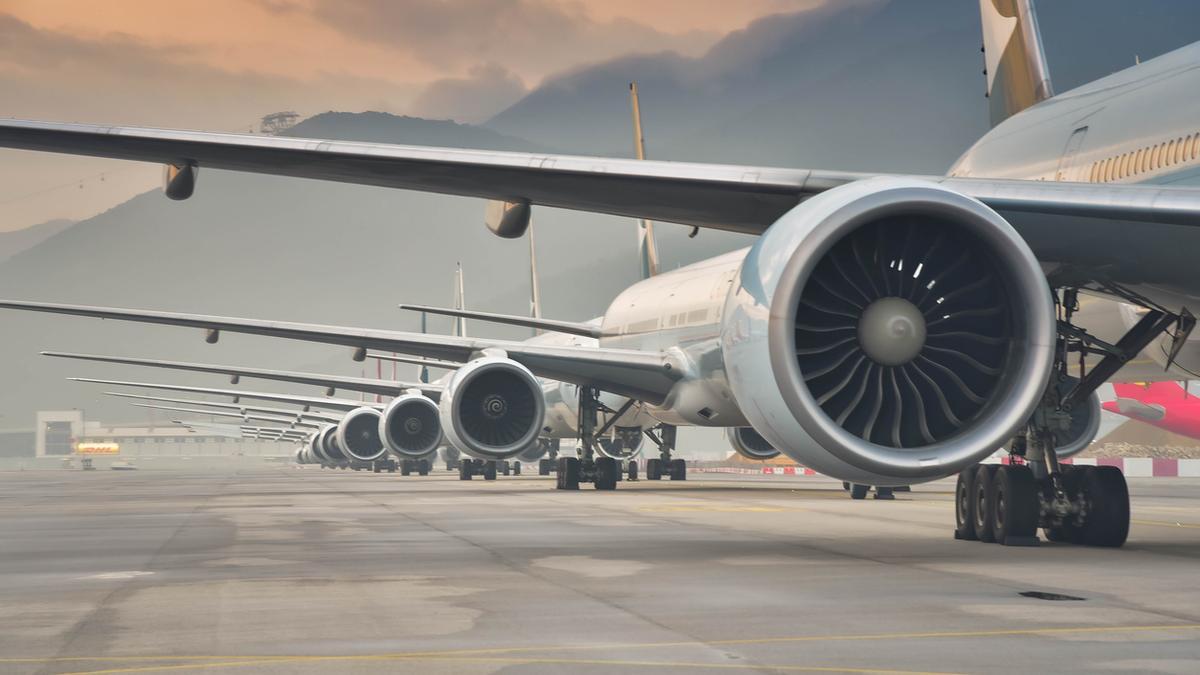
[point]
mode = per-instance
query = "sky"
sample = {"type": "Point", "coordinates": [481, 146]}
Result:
{"type": "Point", "coordinates": [221, 64]}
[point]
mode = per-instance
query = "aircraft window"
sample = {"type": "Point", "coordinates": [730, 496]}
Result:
{"type": "Point", "coordinates": [1144, 165]}
{"type": "Point", "coordinates": [1177, 156]}
{"type": "Point", "coordinates": [1188, 144]}
{"type": "Point", "coordinates": [1169, 156]}
{"type": "Point", "coordinates": [1106, 172]}
{"type": "Point", "coordinates": [1195, 145]}
{"type": "Point", "coordinates": [1137, 161]}
{"type": "Point", "coordinates": [1125, 165]}
{"type": "Point", "coordinates": [1092, 175]}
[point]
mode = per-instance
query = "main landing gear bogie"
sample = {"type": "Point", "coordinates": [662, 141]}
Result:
{"type": "Point", "coordinates": [1007, 505]}
{"type": "Point", "coordinates": [604, 472]}
{"type": "Point", "coordinates": [487, 469]}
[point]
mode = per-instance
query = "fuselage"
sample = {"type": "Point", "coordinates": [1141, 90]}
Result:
{"type": "Point", "coordinates": [1143, 116]}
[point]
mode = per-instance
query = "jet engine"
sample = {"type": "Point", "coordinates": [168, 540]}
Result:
{"type": "Point", "coordinates": [750, 444]}
{"type": "Point", "coordinates": [889, 331]}
{"type": "Point", "coordinates": [1079, 433]}
{"type": "Point", "coordinates": [536, 451]}
{"type": "Point", "coordinates": [410, 426]}
{"type": "Point", "coordinates": [358, 435]}
{"type": "Point", "coordinates": [324, 445]}
{"type": "Point", "coordinates": [625, 443]}
{"type": "Point", "coordinates": [492, 408]}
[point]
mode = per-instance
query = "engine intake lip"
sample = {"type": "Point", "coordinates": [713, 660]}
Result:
{"type": "Point", "coordinates": [411, 427]}
{"type": "Point", "coordinates": [1017, 389]}
{"type": "Point", "coordinates": [498, 408]}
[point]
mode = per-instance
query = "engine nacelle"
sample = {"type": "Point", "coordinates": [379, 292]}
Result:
{"type": "Point", "coordinates": [1082, 429]}
{"type": "Point", "coordinates": [492, 408]}
{"type": "Point", "coordinates": [410, 426]}
{"type": "Point", "coordinates": [750, 444]}
{"type": "Point", "coordinates": [358, 435]}
{"type": "Point", "coordinates": [536, 451]}
{"type": "Point", "coordinates": [325, 445]}
{"type": "Point", "coordinates": [625, 443]}
{"type": "Point", "coordinates": [889, 331]}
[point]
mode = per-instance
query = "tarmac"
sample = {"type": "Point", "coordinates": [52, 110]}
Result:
{"type": "Point", "coordinates": [295, 570]}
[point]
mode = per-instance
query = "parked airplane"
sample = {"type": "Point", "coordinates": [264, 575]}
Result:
{"type": "Point", "coordinates": [1166, 405]}
{"type": "Point", "coordinates": [884, 329]}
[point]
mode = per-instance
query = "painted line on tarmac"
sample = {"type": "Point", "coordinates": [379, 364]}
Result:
{"type": "Point", "coordinates": [206, 661]}
{"type": "Point", "coordinates": [624, 663]}
{"type": "Point", "coordinates": [1164, 523]}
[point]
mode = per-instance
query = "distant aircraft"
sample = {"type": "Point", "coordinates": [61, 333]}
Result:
{"type": "Point", "coordinates": [1166, 405]}
{"type": "Point", "coordinates": [884, 329]}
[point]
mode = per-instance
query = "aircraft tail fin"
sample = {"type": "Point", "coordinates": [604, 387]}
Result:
{"type": "Point", "coordinates": [535, 292]}
{"type": "Point", "coordinates": [647, 246]}
{"type": "Point", "coordinates": [1015, 61]}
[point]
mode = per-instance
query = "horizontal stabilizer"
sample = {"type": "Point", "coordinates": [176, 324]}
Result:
{"type": "Point", "coordinates": [415, 360]}
{"type": "Point", "coordinates": [570, 327]}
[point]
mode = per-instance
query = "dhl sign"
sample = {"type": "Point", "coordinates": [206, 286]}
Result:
{"type": "Point", "coordinates": [97, 449]}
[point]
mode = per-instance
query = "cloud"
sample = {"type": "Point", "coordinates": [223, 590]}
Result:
{"type": "Point", "coordinates": [118, 79]}
{"type": "Point", "coordinates": [485, 91]}
{"type": "Point", "coordinates": [531, 37]}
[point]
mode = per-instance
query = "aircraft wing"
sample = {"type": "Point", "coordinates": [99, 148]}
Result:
{"type": "Point", "coordinates": [240, 408]}
{"type": "Point", "coordinates": [363, 384]}
{"type": "Point", "coordinates": [709, 195]}
{"type": "Point", "coordinates": [645, 376]}
{"type": "Point", "coordinates": [306, 421]}
{"type": "Point", "coordinates": [314, 401]}
{"type": "Point", "coordinates": [1074, 227]}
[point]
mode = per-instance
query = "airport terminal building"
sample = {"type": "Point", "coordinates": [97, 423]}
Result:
{"type": "Point", "coordinates": [60, 433]}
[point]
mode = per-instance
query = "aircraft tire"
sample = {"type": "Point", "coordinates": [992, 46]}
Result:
{"type": "Point", "coordinates": [1107, 494]}
{"type": "Point", "coordinates": [985, 502]}
{"type": "Point", "coordinates": [1015, 516]}
{"type": "Point", "coordinates": [964, 505]}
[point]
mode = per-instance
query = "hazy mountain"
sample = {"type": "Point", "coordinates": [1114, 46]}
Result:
{"type": "Point", "coordinates": [12, 243]}
{"type": "Point", "coordinates": [867, 85]}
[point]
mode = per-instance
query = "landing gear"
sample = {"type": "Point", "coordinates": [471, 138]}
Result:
{"type": "Point", "coordinates": [388, 465]}
{"type": "Point", "coordinates": [607, 472]}
{"type": "Point", "coordinates": [633, 470]}
{"type": "Point", "coordinates": [488, 468]}
{"type": "Point", "coordinates": [545, 466]}
{"type": "Point", "coordinates": [664, 464]}
{"type": "Point", "coordinates": [591, 467]}
{"type": "Point", "coordinates": [466, 469]}
{"type": "Point", "coordinates": [858, 491]}
{"type": "Point", "coordinates": [568, 473]}
{"type": "Point", "coordinates": [423, 467]}
{"type": "Point", "coordinates": [1080, 505]}
{"type": "Point", "coordinates": [503, 468]}
{"type": "Point", "coordinates": [516, 468]}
